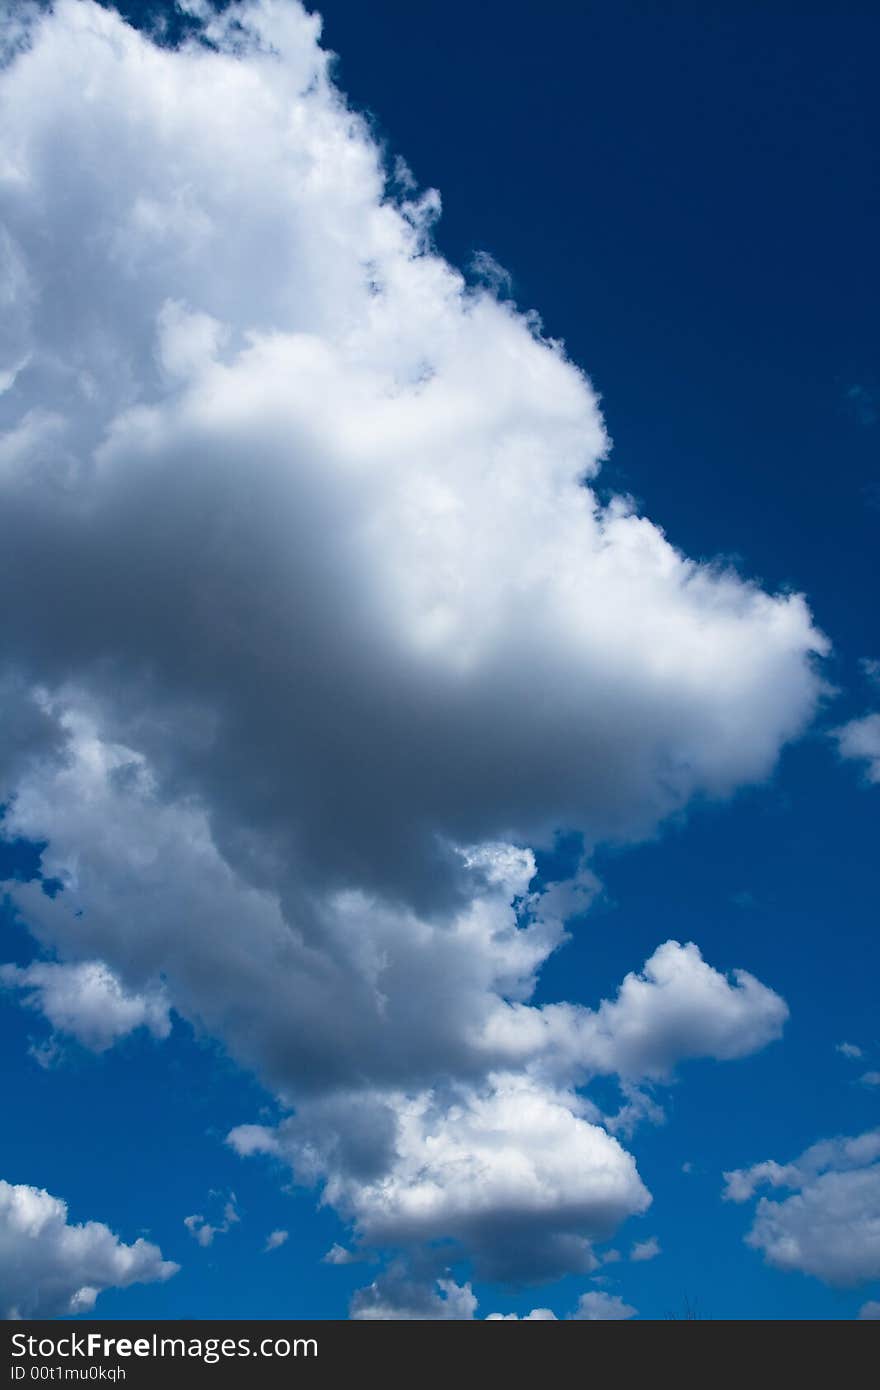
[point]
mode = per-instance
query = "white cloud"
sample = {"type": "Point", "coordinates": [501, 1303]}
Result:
{"type": "Point", "coordinates": [829, 1155]}
{"type": "Point", "coordinates": [869, 1310]}
{"type": "Point", "coordinates": [393, 1296]}
{"type": "Point", "coordinates": [340, 1255]}
{"type": "Point", "coordinates": [860, 739]}
{"type": "Point", "coordinates": [87, 1001]}
{"type": "Point", "coordinates": [517, 1170]}
{"type": "Point", "coordinates": [50, 1268]}
{"type": "Point", "coordinates": [400, 1295]}
{"type": "Point", "coordinates": [202, 1230]}
{"type": "Point", "coordinates": [602, 1307]}
{"type": "Point", "coordinates": [536, 1315]}
{"type": "Point", "coordinates": [319, 623]}
{"type": "Point", "coordinates": [870, 1078]}
{"type": "Point", "coordinates": [871, 669]}
{"type": "Point", "coordinates": [354, 1007]}
{"type": "Point", "coordinates": [595, 1306]}
{"type": "Point", "coordinates": [220, 310]}
{"type": "Point", "coordinates": [677, 1007]}
{"type": "Point", "coordinates": [848, 1049]}
{"type": "Point", "coordinates": [511, 1171]}
{"type": "Point", "coordinates": [275, 1240]}
{"type": "Point", "coordinates": [645, 1249]}
{"type": "Point", "coordinates": [830, 1226]}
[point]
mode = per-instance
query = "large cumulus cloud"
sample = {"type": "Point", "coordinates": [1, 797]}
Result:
{"type": "Point", "coordinates": [320, 625]}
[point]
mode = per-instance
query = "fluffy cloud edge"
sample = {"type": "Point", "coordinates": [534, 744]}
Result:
{"type": "Point", "coordinates": [51, 1268]}
{"type": "Point", "coordinates": [829, 1227]}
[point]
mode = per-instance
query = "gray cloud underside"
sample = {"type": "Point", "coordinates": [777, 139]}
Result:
{"type": "Point", "coordinates": [318, 624]}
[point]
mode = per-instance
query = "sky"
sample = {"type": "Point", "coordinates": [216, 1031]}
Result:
{"type": "Point", "coordinates": [441, 679]}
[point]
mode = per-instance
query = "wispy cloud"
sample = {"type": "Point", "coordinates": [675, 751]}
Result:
{"type": "Point", "coordinates": [202, 1230]}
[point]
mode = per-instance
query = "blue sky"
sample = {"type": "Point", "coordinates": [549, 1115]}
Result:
{"type": "Point", "coordinates": [688, 200]}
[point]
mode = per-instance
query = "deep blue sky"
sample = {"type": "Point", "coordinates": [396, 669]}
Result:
{"type": "Point", "coordinates": [688, 196]}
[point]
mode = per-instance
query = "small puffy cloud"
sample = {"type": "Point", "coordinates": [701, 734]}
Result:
{"type": "Point", "coordinates": [869, 1311]}
{"type": "Point", "coordinates": [536, 1315]}
{"type": "Point", "coordinates": [871, 670]}
{"type": "Point", "coordinates": [50, 1268]}
{"type": "Point", "coordinates": [860, 739]}
{"type": "Point", "coordinates": [275, 1239]}
{"type": "Point", "coordinates": [830, 1226]}
{"type": "Point", "coordinates": [829, 1155]}
{"type": "Point", "coordinates": [202, 1230]}
{"type": "Point", "coordinates": [681, 1007]}
{"type": "Point", "coordinates": [645, 1249]}
{"type": "Point", "coordinates": [597, 1306]}
{"type": "Point", "coordinates": [88, 1001]}
{"type": "Point", "coordinates": [870, 1078]}
{"type": "Point", "coordinates": [341, 1255]}
{"type": "Point", "coordinates": [396, 1297]}
{"type": "Point", "coordinates": [678, 1007]}
{"type": "Point", "coordinates": [848, 1049]}
{"type": "Point", "coordinates": [199, 1229]}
